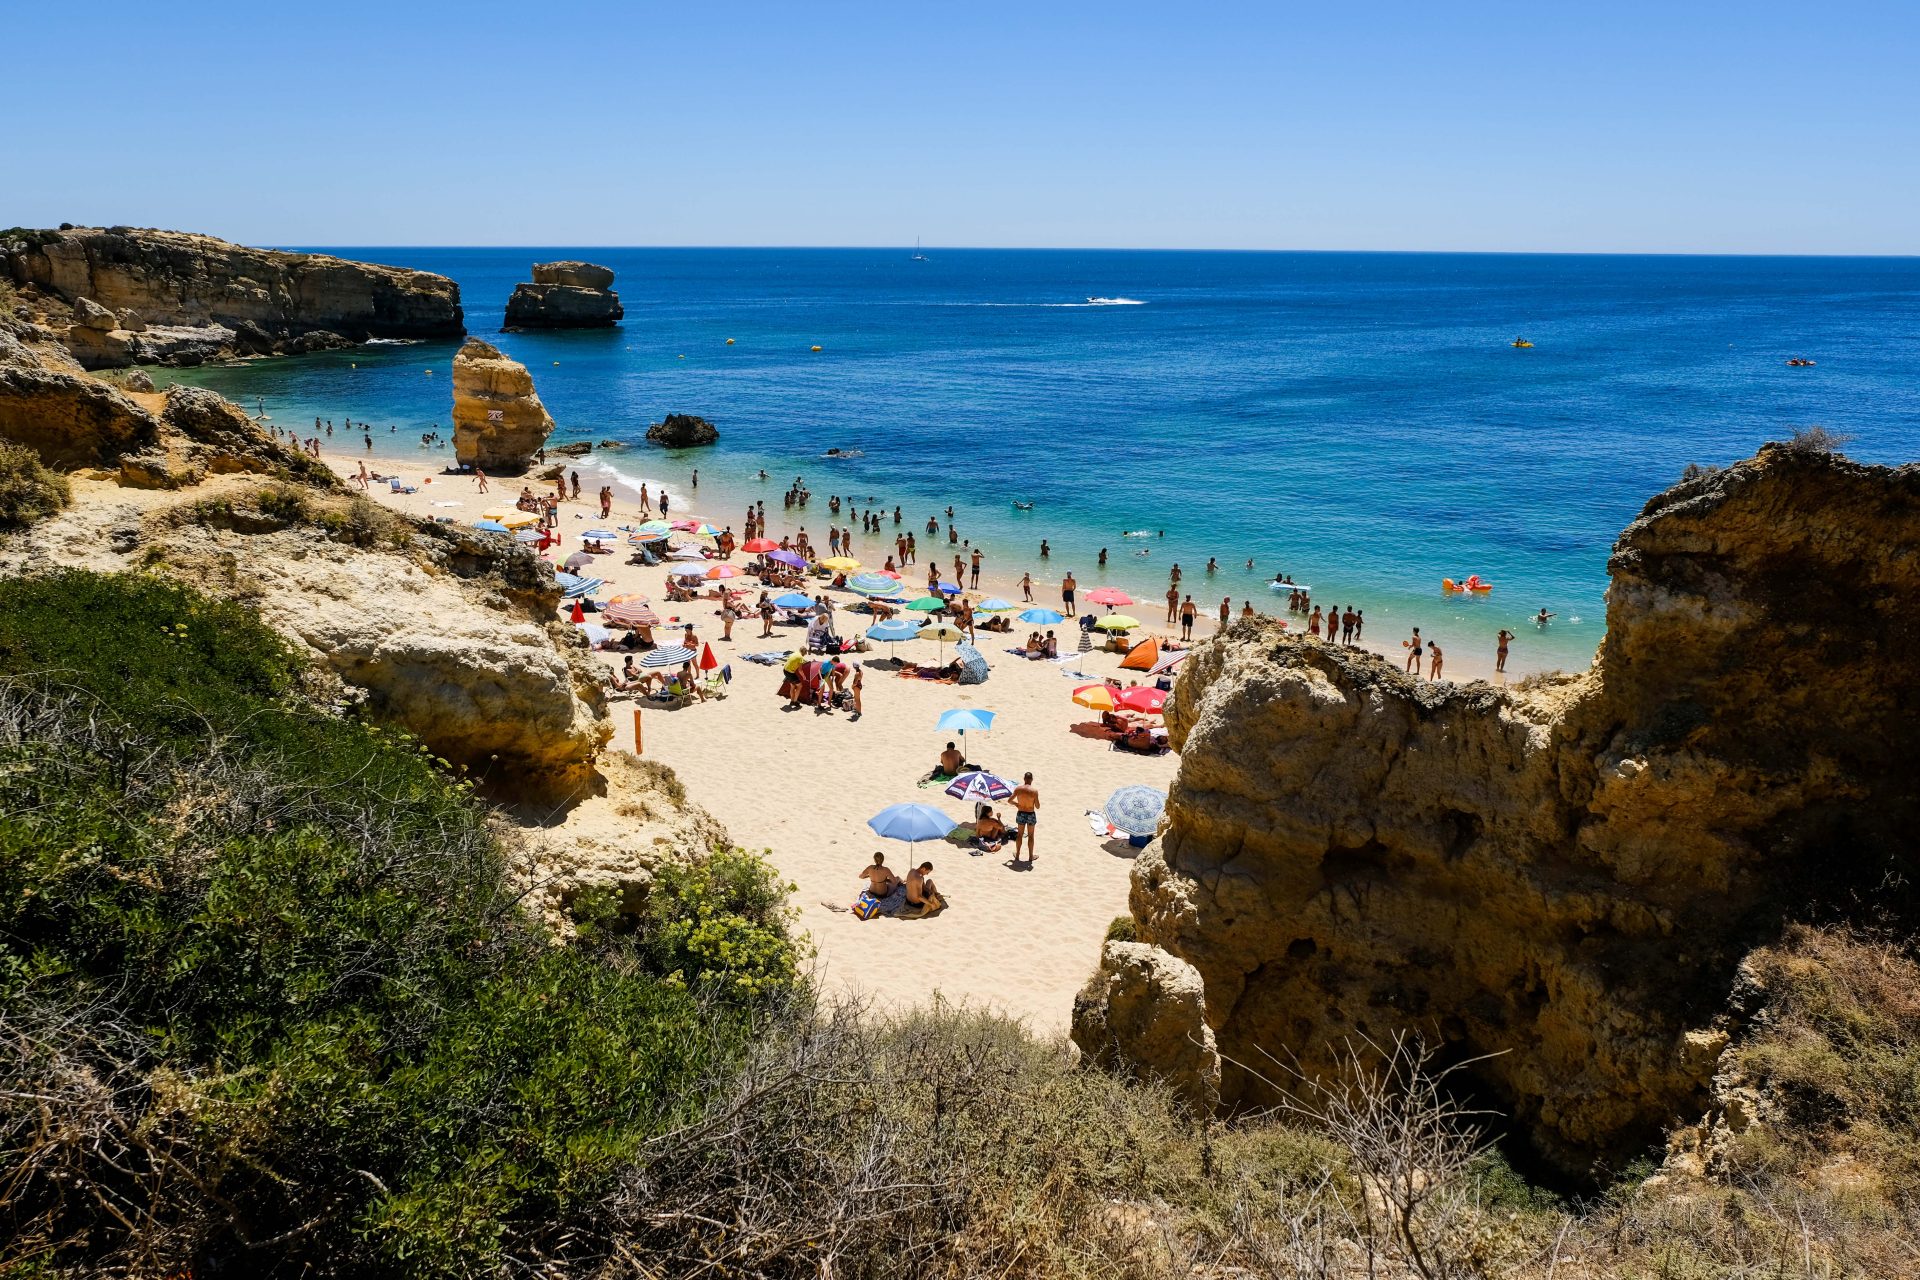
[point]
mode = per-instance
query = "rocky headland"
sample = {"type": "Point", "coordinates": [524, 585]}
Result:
{"type": "Point", "coordinates": [123, 295]}
{"type": "Point", "coordinates": [565, 295]}
{"type": "Point", "coordinates": [499, 423]}
{"type": "Point", "coordinates": [1567, 877]}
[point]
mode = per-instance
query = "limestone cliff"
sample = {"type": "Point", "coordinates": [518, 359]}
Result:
{"type": "Point", "coordinates": [1566, 877]}
{"type": "Point", "coordinates": [565, 295]}
{"type": "Point", "coordinates": [498, 421]}
{"type": "Point", "coordinates": [130, 295]}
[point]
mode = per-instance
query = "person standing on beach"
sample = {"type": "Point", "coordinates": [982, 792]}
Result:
{"type": "Point", "coordinates": [1433, 666]}
{"type": "Point", "coordinates": [913, 551]}
{"type": "Point", "coordinates": [1346, 626]}
{"type": "Point", "coordinates": [766, 616]}
{"type": "Point", "coordinates": [1226, 610]}
{"type": "Point", "coordinates": [1173, 603]}
{"type": "Point", "coordinates": [606, 501]}
{"type": "Point", "coordinates": [1313, 623]}
{"type": "Point", "coordinates": [1359, 624]}
{"type": "Point", "coordinates": [1026, 817]}
{"type": "Point", "coordinates": [1187, 612]}
{"type": "Point", "coordinates": [481, 478]}
{"type": "Point", "coordinates": [663, 504]}
{"type": "Point", "coordinates": [859, 683]}
{"type": "Point", "coordinates": [1026, 587]}
{"type": "Point", "coordinates": [1415, 648]}
{"type": "Point", "coordinates": [976, 568]}
{"type": "Point", "coordinates": [576, 486]}
{"type": "Point", "coordinates": [1067, 587]}
{"type": "Point", "coordinates": [1504, 639]}
{"type": "Point", "coordinates": [646, 500]}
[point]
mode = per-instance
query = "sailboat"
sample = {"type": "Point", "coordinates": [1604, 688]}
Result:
{"type": "Point", "coordinates": [917, 255]}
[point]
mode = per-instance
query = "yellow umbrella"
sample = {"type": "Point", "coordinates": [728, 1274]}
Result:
{"type": "Point", "coordinates": [941, 631]}
{"type": "Point", "coordinates": [1117, 622]}
{"type": "Point", "coordinates": [840, 564]}
{"type": "Point", "coordinates": [1097, 697]}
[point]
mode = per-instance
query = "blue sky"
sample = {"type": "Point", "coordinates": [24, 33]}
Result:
{"type": "Point", "coordinates": [1751, 128]}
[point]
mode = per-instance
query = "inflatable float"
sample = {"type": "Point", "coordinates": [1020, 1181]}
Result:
{"type": "Point", "coordinates": [1472, 582]}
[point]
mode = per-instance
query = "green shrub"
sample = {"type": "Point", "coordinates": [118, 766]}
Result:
{"type": "Point", "coordinates": [28, 490]}
{"type": "Point", "coordinates": [721, 922]}
{"type": "Point", "coordinates": [1122, 929]}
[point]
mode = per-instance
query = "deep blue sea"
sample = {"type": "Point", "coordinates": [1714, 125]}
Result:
{"type": "Point", "coordinates": [1359, 421]}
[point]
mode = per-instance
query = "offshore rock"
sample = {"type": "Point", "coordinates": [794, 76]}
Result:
{"type": "Point", "coordinates": [498, 421]}
{"type": "Point", "coordinates": [564, 295]}
{"type": "Point", "coordinates": [683, 431]}
{"type": "Point", "coordinates": [1568, 877]}
{"type": "Point", "coordinates": [255, 301]}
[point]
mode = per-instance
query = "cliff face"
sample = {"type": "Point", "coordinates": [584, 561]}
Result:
{"type": "Point", "coordinates": [498, 421]}
{"type": "Point", "coordinates": [1569, 877]}
{"type": "Point", "coordinates": [565, 295]}
{"type": "Point", "coordinates": [171, 297]}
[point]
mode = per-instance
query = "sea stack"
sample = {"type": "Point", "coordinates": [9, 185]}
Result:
{"type": "Point", "coordinates": [498, 421]}
{"type": "Point", "coordinates": [683, 431]}
{"type": "Point", "coordinates": [565, 295]}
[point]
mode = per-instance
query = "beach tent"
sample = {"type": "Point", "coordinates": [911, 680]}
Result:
{"type": "Point", "coordinates": [1142, 656]}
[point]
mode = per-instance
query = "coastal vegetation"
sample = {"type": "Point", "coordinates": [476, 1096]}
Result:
{"type": "Point", "coordinates": [29, 490]}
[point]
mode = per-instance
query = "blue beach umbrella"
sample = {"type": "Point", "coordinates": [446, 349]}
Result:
{"type": "Point", "coordinates": [492, 526]}
{"type": "Point", "coordinates": [1136, 810]}
{"type": "Point", "coordinates": [979, 785]}
{"type": "Point", "coordinates": [793, 600]}
{"type": "Point", "coordinates": [949, 588]}
{"type": "Point", "coordinates": [892, 632]}
{"type": "Point", "coordinates": [1042, 617]}
{"type": "Point", "coordinates": [572, 586]}
{"type": "Point", "coordinates": [961, 719]}
{"type": "Point", "coordinates": [911, 822]}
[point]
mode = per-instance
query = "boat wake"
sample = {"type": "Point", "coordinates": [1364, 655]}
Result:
{"type": "Point", "coordinates": [393, 342]}
{"type": "Point", "coordinates": [1054, 306]}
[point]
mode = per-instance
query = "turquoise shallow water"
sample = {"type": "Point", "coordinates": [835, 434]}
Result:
{"type": "Point", "coordinates": [1358, 420]}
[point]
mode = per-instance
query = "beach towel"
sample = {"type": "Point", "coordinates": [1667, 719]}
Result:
{"type": "Point", "coordinates": [1097, 821]}
{"type": "Point", "coordinates": [771, 658]}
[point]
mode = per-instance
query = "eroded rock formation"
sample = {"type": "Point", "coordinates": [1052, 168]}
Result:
{"type": "Point", "coordinates": [1566, 877]}
{"type": "Point", "coordinates": [683, 431]}
{"type": "Point", "coordinates": [565, 295]}
{"type": "Point", "coordinates": [498, 421]}
{"type": "Point", "coordinates": [167, 297]}
{"type": "Point", "coordinates": [48, 403]}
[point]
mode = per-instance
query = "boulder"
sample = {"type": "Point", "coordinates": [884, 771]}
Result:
{"type": "Point", "coordinates": [262, 298]}
{"type": "Point", "coordinates": [70, 419]}
{"type": "Point", "coordinates": [1145, 1010]}
{"type": "Point", "coordinates": [182, 346]}
{"type": "Point", "coordinates": [572, 449]}
{"type": "Point", "coordinates": [498, 421]}
{"type": "Point", "coordinates": [1560, 880]}
{"type": "Point", "coordinates": [683, 431]}
{"type": "Point", "coordinates": [89, 314]}
{"type": "Point", "coordinates": [564, 295]}
{"type": "Point", "coordinates": [131, 321]}
{"type": "Point", "coordinates": [577, 275]}
{"type": "Point", "coordinates": [138, 380]}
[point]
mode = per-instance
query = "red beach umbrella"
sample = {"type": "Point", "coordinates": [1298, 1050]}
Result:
{"type": "Point", "coordinates": [1109, 596]}
{"type": "Point", "coordinates": [1143, 698]}
{"type": "Point", "coordinates": [754, 546]}
{"type": "Point", "coordinates": [707, 661]}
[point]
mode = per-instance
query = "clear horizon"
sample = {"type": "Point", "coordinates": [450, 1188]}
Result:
{"type": "Point", "coordinates": [1495, 128]}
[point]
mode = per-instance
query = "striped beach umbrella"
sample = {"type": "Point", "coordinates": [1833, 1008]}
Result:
{"type": "Point", "coordinates": [995, 605]}
{"type": "Point", "coordinates": [873, 584]}
{"type": "Point", "coordinates": [631, 613]}
{"type": "Point", "coordinates": [667, 656]}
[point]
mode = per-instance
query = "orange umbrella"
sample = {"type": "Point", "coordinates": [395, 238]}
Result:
{"type": "Point", "coordinates": [1142, 656]}
{"type": "Point", "coordinates": [1097, 697]}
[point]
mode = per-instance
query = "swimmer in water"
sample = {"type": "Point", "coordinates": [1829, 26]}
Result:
{"type": "Point", "coordinates": [1540, 618]}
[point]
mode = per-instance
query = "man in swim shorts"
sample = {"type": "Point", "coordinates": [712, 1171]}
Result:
{"type": "Point", "coordinates": [1067, 587]}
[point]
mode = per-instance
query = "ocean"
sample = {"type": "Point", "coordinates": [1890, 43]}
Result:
{"type": "Point", "coordinates": [1358, 421]}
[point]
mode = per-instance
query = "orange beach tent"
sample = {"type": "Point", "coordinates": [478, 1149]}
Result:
{"type": "Point", "coordinates": [1142, 656]}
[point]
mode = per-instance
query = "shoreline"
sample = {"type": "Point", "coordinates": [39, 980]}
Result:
{"type": "Point", "coordinates": [723, 503]}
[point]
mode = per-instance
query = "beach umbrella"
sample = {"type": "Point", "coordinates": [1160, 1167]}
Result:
{"type": "Point", "coordinates": [646, 536]}
{"type": "Point", "coordinates": [1136, 810]}
{"type": "Point", "coordinates": [527, 537]}
{"type": "Point", "coordinates": [598, 535]}
{"type": "Point", "coordinates": [1109, 596]}
{"type": "Point", "coordinates": [792, 600]}
{"type": "Point", "coordinates": [694, 526]}
{"type": "Point", "coordinates": [943, 632]}
{"type": "Point", "coordinates": [927, 604]}
{"type": "Point", "coordinates": [687, 571]}
{"type": "Point", "coordinates": [722, 571]}
{"type": "Point", "coordinates": [873, 584]}
{"type": "Point", "coordinates": [631, 613]}
{"type": "Point", "coordinates": [978, 785]}
{"type": "Point", "coordinates": [519, 520]}
{"type": "Point", "coordinates": [961, 719]}
{"type": "Point", "coordinates": [573, 586]}
{"type": "Point", "coordinates": [1142, 656]}
{"type": "Point", "coordinates": [1168, 662]}
{"type": "Point", "coordinates": [1042, 617]}
{"type": "Point", "coordinates": [912, 823]}
{"type": "Point", "coordinates": [950, 588]}
{"type": "Point", "coordinates": [579, 559]}
{"type": "Point", "coordinates": [787, 558]}
{"type": "Point", "coordinates": [1097, 697]}
{"type": "Point", "coordinates": [1144, 698]}
{"type": "Point", "coordinates": [892, 632]}
{"type": "Point", "coordinates": [889, 573]}
{"type": "Point", "coordinates": [841, 564]}
{"type": "Point", "coordinates": [686, 553]}
{"type": "Point", "coordinates": [759, 546]}
{"type": "Point", "coordinates": [492, 526]}
{"type": "Point", "coordinates": [995, 605]}
{"type": "Point", "coordinates": [1117, 622]}
{"type": "Point", "coordinates": [666, 656]}
{"type": "Point", "coordinates": [973, 664]}
{"type": "Point", "coordinates": [707, 661]}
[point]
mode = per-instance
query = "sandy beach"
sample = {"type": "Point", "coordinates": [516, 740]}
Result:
{"type": "Point", "coordinates": [800, 785]}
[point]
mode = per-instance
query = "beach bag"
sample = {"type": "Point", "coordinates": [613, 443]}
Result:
{"type": "Point", "coordinates": [865, 907]}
